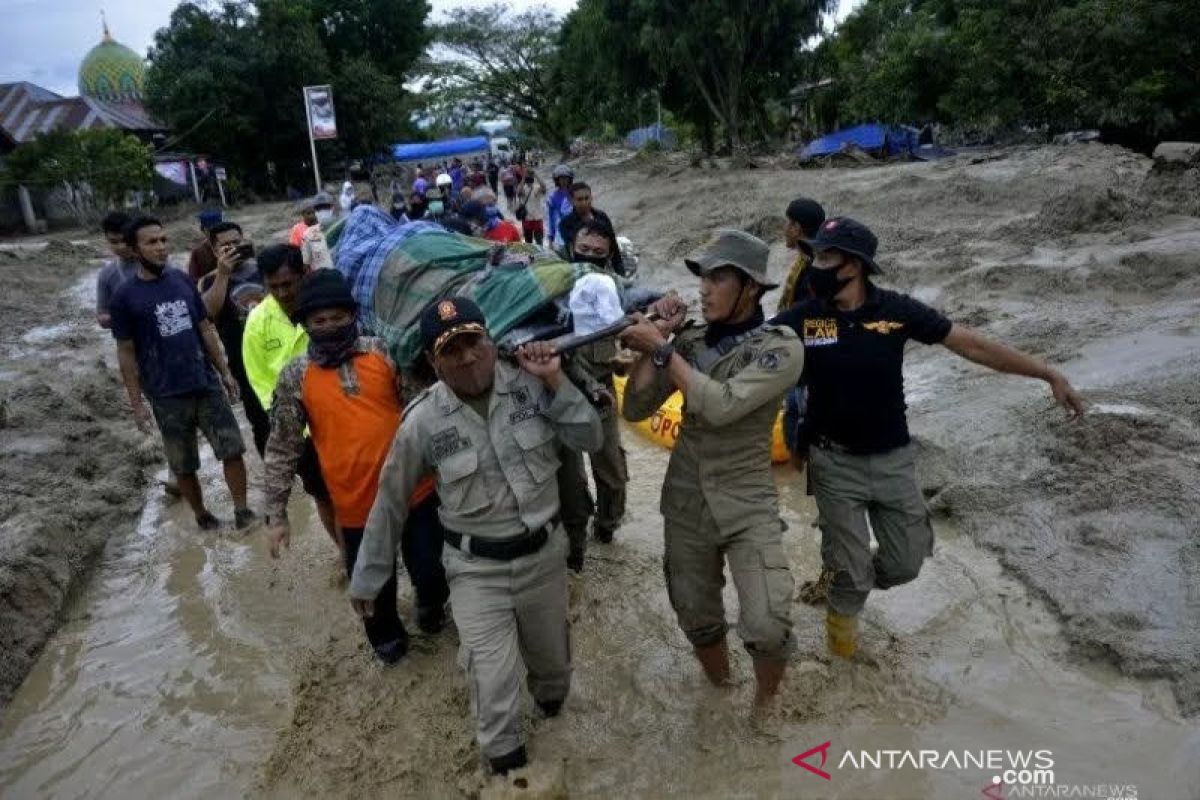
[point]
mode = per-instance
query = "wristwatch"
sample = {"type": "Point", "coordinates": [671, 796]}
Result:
{"type": "Point", "coordinates": [662, 355]}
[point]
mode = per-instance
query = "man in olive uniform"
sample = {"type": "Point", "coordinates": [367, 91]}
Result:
{"type": "Point", "coordinates": [593, 244]}
{"type": "Point", "coordinates": [719, 500]}
{"type": "Point", "coordinates": [861, 462]}
{"type": "Point", "coordinates": [489, 432]}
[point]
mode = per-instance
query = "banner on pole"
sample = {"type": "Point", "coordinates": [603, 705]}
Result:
{"type": "Point", "coordinates": [321, 120]}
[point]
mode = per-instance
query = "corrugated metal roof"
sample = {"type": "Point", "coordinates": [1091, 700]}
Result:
{"type": "Point", "coordinates": [27, 110]}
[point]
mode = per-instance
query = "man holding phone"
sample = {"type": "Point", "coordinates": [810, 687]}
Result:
{"type": "Point", "coordinates": [229, 293]}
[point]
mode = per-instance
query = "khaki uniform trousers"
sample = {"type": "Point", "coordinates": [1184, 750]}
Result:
{"type": "Point", "coordinates": [512, 620]}
{"type": "Point", "coordinates": [694, 557]}
{"type": "Point", "coordinates": [611, 474]}
{"type": "Point", "coordinates": [850, 490]}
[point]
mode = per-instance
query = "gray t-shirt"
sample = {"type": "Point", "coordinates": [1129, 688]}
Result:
{"type": "Point", "coordinates": [114, 273]}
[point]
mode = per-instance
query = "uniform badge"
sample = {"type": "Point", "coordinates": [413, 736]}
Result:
{"type": "Point", "coordinates": [446, 443]}
{"type": "Point", "coordinates": [447, 310]}
{"type": "Point", "coordinates": [883, 326]}
{"type": "Point", "coordinates": [521, 396]}
{"type": "Point", "coordinates": [771, 359]}
{"type": "Point", "coordinates": [819, 332]}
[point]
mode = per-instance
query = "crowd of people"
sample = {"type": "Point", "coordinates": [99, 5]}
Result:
{"type": "Point", "coordinates": [477, 483]}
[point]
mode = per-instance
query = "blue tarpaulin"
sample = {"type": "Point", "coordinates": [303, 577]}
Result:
{"type": "Point", "coordinates": [655, 133]}
{"type": "Point", "coordinates": [885, 140]}
{"type": "Point", "coordinates": [447, 148]}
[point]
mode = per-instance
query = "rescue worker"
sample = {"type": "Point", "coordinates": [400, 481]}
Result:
{"type": "Point", "coordinates": [488, 431]}
{"type": "Point", "coordinates": [593, 245]}
{"type": "Point", "coordinates": [719, 500]}
{"type": "Point", "coordinates": [861, 463]}
{"type": "Point", "coordinates": [346, 391]}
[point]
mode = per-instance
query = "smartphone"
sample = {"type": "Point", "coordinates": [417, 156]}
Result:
{"type": "Point", "coordinates": [245, 251]}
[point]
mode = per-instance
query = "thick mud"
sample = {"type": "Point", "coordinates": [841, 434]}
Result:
{"type": "Point", "coordinates": [1059, 609]}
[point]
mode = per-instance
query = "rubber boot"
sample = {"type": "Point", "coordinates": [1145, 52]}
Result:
{"type": "Point", "coordinates": [768, 672]}
{"type": "Point", "coordinates": [842, 634]}
{"type": "Point", "coordinates": [715, 660]}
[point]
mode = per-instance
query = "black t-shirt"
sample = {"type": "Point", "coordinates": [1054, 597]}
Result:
{"type": "Point", "coordinates": [245, 291]}
{"type": "Point", "coordinates": [853, 366]}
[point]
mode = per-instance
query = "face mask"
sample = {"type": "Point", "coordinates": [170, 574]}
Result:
{"type": "Point", "coordinates": [598, 261]}
{"type": "Point", "coordinates": [825, 283]}
{"type": "Point", "coordinates": [324, 215]}
{"type": "Point", "coordinates": [331, 348]}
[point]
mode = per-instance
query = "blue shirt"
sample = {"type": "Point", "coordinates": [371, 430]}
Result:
{"type": "Point", "coordinates": [558, 206]}
{"type": "Point", "coordinates": [112, 275]}
{"type": "Point", "coordinates": [456, 175]}
{"type": "Point", "coordinates": [162, 317]}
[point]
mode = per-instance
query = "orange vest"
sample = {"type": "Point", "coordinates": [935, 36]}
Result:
{"type": "Point", "coordinates": [353, 433]}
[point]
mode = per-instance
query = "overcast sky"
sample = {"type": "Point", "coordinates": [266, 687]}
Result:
{"type": "Point", "coordinates": [43, 41]}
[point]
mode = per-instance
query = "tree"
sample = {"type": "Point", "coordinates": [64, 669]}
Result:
{"type": "Point", "coordinates": [392, 33]}
{"type": "Point", "coordinates": [734, 55]}
{"type": "Point", "coordinates": [96, 168]}
{"type": "Point", "coordinates": [373, 109]}
{"type": "Point", "coordinates": [230, 77]}
{"type": "Point", "coordinates": [506, 64]}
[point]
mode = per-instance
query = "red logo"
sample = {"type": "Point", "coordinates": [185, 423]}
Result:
{"type": "Point", "coordinates": [823, 749]}
{"type": "Point", "coordinates": [994, 791]}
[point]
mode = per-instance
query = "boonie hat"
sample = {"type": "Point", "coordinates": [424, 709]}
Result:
{"type": "Point", "coordinates": [731, 248]}
{"type": "Point", "coordinates": [325, 288]}
{"type": "Point", "coordinates": [849, 236]}
{"type": "Point", "coordinates": [445, 319]}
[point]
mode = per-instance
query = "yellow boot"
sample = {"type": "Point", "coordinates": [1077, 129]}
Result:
{"type": "Point", "coordinates": [842, 634]}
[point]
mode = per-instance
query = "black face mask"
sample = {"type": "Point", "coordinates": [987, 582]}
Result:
{"type": "Point", "coordinates": [825, 283]}
{"type": "Point", "coordinates": [331, 348]}
{"type": "Point", "coordinates": [598, 261]}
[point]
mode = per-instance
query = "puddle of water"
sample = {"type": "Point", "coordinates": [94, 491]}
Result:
{"type": "Point", "coordinates": [155, 685]}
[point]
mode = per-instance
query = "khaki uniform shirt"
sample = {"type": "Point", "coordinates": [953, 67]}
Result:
{"type": "Point", "coordinates": [724, 448]}
{"type": "Point", "coordinates": [495, 477]}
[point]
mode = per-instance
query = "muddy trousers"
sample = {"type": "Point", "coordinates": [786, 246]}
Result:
{"type": "Point", "coordinates": [851, 490]}
{"type": "Point", "coordinates": [512, 620]}
{"type": "Point", "coordinates": [611, 474]}
{"type": "Point", "coordinates": [694, 557]}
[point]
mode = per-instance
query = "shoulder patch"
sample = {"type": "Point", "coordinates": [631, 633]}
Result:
{"type": "Point", "coordinates": [770, 360]}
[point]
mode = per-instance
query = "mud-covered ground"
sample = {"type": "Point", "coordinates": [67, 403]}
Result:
{"type": "Point", "coordinates": [1060, 605]}
{"type": "Point", "coordinates": [1081, 255]}
{"type": "Point", "coordinates": [72, 465]}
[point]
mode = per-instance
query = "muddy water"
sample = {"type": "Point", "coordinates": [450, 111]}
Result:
{"type": "Point", "coordinates": [161, 682]}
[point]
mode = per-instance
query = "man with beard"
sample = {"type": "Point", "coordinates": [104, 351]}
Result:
{"type": "Point", "coordinates": [345, 391]}
{"type": "Point", "coordinates": [593, 245]}
{"type": "Point", "coordinates": [168, 349]}
{"type": "Point", "coordinates": [230, 292]}
{"type": "Point", "coordinates": [489, 432]}
{"type": "Point", "coordinates": [719, 500]}
{"type": "Point", "coordinates": [861, 462]}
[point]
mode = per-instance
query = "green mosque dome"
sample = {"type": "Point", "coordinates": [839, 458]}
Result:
{"type": "Point", "coordinates": [112, 72]}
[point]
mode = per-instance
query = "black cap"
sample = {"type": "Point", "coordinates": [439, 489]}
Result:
{"type": "Point", "coordinates": [848, 236]}
{"type": "Point", "coordinates": [325, 288]}
{"type": "Point", "coordinates": [474, 210]}
{"type": "Point", "coordinates": [445, 319]}
{"type": "Point", "coordinates": [808, 213]}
